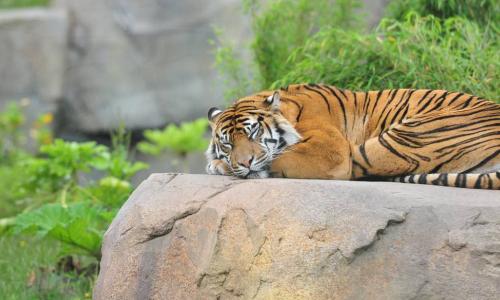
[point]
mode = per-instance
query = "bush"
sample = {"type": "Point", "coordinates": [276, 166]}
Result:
{"type": "Point", "coordinates": [64, 208]}
{"type": "Point", "coordinates": [182, 139]}
{"type": "Point", "coordinates": [279, 27]}
{"type": "Point", "coordinates": [285, 25]}
{"type": "Point", "coordinates": [456, 49]}
{"type": "Point", "coordinates": [420, 52]}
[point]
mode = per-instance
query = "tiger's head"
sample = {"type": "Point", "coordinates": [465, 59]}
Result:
{"type": "Point", "coordinates": [248, 135]}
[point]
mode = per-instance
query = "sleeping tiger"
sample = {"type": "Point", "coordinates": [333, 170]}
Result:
{"type": "Point", "coordinates": [319, 131]}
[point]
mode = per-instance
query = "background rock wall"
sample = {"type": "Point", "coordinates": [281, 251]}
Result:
{"type": "Point", "coordinates": [32, 58]}
{"type": "Point", "coordinates": [144, 63]}
{"type": "Point", "coordinates": [104, 63]}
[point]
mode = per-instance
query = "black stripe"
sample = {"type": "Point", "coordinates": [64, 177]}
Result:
{"type": "Point", "coordinates": [477, 185]}
{"type": "Point", "coordinates": [363, 169]}
{"type": "Point", "coordinates": [461, 180]}
{"type": "Point", "coordinates": [466, 103]}
{"type": "Point", "coordinates": [388, 146]}
{"type": "Point", "coordinates": [387, 106]}
{"type": "Point", "coordinates": [305, 140]}
{"type": "Point", "coordinates": [322, 96]}
{"type": "Point", "coordinates": [426, 104]}
{"type": "Point", "coordinates": [376, 100]}
{"type": "Point", "coordinates": [300, 114]}
{"type": "Point", "coordinates": [341, 104]}
{"type": "Point", "coordinates": [274, 141]}
{"type": "Point", "coordinates": [455, 98]}
{"type": "Point", "coordinates": [441, 180]}
{"type": "Point", "coordinates": [362, 150]}
{"type": "Point", "coordinates": [282, 143]}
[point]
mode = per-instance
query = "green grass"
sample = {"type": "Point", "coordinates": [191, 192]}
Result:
{"type": "Point", "coordinates": [23, 3]}
{"type": "Point", "coordinates": [480, 11]}
{"type": "Point", "coordinates": [452, 45]}
{"type": "Point", "coordinates": [421, 52]}
{"type": "Point", "coordinates": [29, 272]}
{"type": "Point", "coordinates": [10, 205]}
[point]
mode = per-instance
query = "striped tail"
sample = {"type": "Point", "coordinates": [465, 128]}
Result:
{"type": "Point", "coordinates": [462, 180]}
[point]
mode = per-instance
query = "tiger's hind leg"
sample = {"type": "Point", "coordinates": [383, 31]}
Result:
{"type": "Point", "coordinates": [461, 141]}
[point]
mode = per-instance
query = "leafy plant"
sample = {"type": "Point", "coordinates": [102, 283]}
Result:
{"type": "Point", "coordinates": [60, 164]}
{"type": "Point", "coordinates": [78, 226]}
{"type": "Point", "coordinates": [76, 214]}
{"type": "Point", "coordinates": [183, 139]}
{"type": "Point", "coordinates": [117, 163]}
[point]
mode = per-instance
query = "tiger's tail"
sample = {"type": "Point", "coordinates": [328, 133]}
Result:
{"type": "Point", "coordinates": [489, 181]}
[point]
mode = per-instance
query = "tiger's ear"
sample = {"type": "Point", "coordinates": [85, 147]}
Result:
{"type": "Point", "coordinates": [213, 113]}
{"type": "Point", "coordinates": [274, 100]}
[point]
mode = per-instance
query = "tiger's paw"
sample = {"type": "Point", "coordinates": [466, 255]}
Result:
{"type": "Point", "coordinates": [258, 175]}
{"type": "Point", "coordinates": [217, 167]}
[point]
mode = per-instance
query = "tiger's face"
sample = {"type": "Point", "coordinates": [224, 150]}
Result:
{"type": "Point", "coordinates": [247, 136]}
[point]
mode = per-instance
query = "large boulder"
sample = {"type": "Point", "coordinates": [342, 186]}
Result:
{"type": "Point", "coordinates": [215, 237]}
{"type": "Point", "coordinates": [32, 58]}
{"type": "Point", "coordinates": [144, 63]}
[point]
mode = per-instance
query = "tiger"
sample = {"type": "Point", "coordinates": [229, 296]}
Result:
{"type": "Point", "coordinates": [319, 131]}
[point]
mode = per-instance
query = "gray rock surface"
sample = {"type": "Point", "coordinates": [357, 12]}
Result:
{"type": "Point", "coordinates": [32, 57]}
{"type": "Point", "coordinates": [144, 63]}
{"type": "Point", "coordinates": [215, 237]}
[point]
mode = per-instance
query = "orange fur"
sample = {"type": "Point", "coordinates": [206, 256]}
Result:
{"type": "Point", "coordinates": [351, 135]}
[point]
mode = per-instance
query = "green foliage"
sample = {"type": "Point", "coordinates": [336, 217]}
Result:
{"type": "Point", "coordinates": [60, 164]}
{"type": "Point", "coordinates": [11, 197]}
{"type": "Point", "coordinates": [183, 139]}
{"type": "Point", "coordinates": [285, 25]}
{"type": "Point", "coordinates": [47, 199]}
{"type": "Point", "coordinates": [78, 226]}
{"type": "Point", "coordinates": [420, 52]}
{"type": "Point", "coordinates": [117, 163]}
{"type": "Point", "coordinates": [11, 121]}
{"type": "Point", "coordinates": [457, 49]}
{"type": "Point", "coordinates": [480, 11]}
{"type": "Point", "coordinates": [76, 215]}
{"type": "Point", "coordinates": [23, 3]}
{"type": "Point", "coordinates": [279, 27]}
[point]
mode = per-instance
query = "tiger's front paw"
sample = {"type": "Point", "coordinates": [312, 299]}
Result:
{"type": "Point", "coordinates": [258, 175]}
{"type": "Point", "coordinates": [217, 167]}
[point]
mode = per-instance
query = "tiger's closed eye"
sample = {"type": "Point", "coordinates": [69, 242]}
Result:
{"type": "Point", "coordinates": [226, 147]}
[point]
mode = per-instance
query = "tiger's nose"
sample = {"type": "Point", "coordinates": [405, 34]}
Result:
{"type": "Point", "coordinates": [246, 162]}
